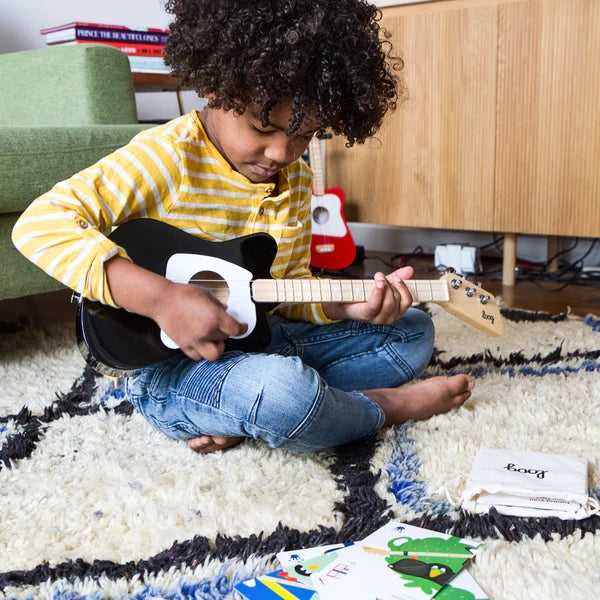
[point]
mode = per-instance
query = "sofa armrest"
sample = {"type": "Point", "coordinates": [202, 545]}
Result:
{"type": "Point", "coordinates": [78, 84]}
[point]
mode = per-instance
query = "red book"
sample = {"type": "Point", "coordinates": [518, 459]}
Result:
{"type": "Point", "coordinates": [129, 49]}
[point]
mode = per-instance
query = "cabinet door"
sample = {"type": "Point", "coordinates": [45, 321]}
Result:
{"type": "Point", "coordinates": [548, 152]}
{"type": "Point", "coordinates": [432, 163]}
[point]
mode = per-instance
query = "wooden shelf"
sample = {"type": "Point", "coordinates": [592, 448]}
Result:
{"type": "Point", "coordinates": [158, 82]}
{"type": "Point", "coordinates": [155, 82]}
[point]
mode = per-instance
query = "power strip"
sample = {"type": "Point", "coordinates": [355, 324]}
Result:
{"type": "Point", "coordinates": [463, 259]}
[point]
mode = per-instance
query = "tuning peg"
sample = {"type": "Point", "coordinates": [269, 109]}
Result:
{"type": "Point", "coordinates": [469, 291]}
{"type": "Point", "coordinates": [450, 270]}
{"type": "Point", "coordinates": [484, 298]}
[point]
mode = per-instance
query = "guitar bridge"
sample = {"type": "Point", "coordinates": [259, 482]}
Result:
{"type": "Point", "coordinates": [324, 248]}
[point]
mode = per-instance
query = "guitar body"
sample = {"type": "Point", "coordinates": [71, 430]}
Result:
{"type": "Point", "coordinates": [115, 341]}
{"type": "Point", "coordinates": [332, 247]}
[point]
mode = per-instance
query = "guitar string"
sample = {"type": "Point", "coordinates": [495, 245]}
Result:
{"type": "Point", "coordinates": [344, 286]}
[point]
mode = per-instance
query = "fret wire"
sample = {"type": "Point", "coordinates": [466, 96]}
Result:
{"type": "Point", "coordinates": [430, 291]}
{"type": "Point", "coordinates": [316, 295]}
{"type": "Point", "coordinates": [290, 289]}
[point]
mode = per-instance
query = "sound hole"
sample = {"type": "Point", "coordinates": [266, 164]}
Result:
{"type": "Point", "coordinates": [214, 282]}
{"type": "Point", "coordinates": [320, 215]}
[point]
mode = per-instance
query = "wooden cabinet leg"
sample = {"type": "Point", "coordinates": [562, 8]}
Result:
{"type": "Point", "coordinates": [509, 259]}
{"type": "Point", "coordinates": [179, 101]}
{"type": "Point", "coordinates": [552, 245]}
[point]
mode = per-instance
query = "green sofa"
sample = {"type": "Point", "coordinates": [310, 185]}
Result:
{"type": "Point", "coordinates": [61, 109]}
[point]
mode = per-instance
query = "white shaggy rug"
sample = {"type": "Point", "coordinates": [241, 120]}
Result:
{"type": "Point", "coordinates": [95, 504]}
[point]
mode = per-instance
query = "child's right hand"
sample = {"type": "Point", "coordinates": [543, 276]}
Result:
{"type": "Point", "coordinates": [196, 321]}
{"type": "Point", "coordinates": [189, 314]}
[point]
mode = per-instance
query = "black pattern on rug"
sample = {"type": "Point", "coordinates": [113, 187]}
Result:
{"type": "Point", "coordinates": [362, 509]}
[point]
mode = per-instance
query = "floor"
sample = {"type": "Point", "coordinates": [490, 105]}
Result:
{"type": "Point", "coordinates": [545, 296]}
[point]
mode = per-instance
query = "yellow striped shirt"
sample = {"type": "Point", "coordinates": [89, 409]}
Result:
{"type": "Point", "coordinates": [172, 173]}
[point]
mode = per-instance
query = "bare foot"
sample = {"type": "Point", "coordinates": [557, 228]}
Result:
{"type": "Point", "coordinates": [422, 399]}
{"type": "Point", "coordinates": [205, 444]}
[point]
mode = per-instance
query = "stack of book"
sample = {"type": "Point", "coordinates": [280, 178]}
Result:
{"type": "Point", "coordinates": [143, 46]}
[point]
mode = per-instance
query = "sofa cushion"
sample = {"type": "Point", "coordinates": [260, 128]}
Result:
{"type": "Point", "coordinates": [32, 160]}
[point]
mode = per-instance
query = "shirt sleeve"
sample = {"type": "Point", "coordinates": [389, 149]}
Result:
{"type": "Point", "coordinates": [63, 231]}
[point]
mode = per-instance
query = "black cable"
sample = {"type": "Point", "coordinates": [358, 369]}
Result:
{"type": "Point", "coordinates": [381, 260]}
{"type": "Point", "coordinates": [565, 251]}
{"type": "Point", "coordinates": [567, 274]}
{"type": "Point", "coordinates": [418, 251]}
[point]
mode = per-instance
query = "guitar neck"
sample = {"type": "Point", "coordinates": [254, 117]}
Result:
{"type": "Point", "coordinates": [316, 164]}
{"type": "Point", "coordinates": [299, 291]}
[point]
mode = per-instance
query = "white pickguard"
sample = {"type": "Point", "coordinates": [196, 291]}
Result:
{"type": "Point", "coordinates": [334, 225]}
{"type": "Point", "coordinates": [182, 267]}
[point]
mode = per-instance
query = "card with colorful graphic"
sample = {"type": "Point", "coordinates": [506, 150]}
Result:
{"type": "Point", "coordinates": [397, 562]}
{"type": "Point", "coordinates": [275, 586]}
{"type": "Point", "coordinates": [289, 558]}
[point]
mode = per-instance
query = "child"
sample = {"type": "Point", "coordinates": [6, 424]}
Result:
{"type": "Point", "coordinates": [275, 73]}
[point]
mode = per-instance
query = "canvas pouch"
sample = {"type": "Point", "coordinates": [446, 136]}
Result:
{"type": "Point", "coordinates": [529, 484]}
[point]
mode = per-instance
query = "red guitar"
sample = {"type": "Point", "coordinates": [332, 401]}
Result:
{"type": "Point", "coordinates": [332, 246]}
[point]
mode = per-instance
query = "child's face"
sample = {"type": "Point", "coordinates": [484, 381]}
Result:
{"type": "Point", "coordinates": [255, 151]}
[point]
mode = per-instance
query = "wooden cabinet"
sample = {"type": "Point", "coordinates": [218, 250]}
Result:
{"type": "Point", "coordinates": [548, 118]}
{"type": "Point", "coordinates": [501, 129]}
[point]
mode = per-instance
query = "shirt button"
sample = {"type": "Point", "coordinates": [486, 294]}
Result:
{"type": "Point", "coordinates": [261, 211]}
{"type": "Point", "coordinates": [82, 223]}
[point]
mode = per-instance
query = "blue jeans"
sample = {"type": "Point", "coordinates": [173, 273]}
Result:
{"type": "Point", "coordinates": [300, 394]}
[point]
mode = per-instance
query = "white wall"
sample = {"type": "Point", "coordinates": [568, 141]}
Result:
{"type": "Point", "coordinates": [20, 24]}
{"type": "Point", "coordinates": [21, 21]}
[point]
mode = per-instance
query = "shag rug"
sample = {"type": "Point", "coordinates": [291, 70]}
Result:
{"type": "Point", "coordinates": [95, 504]}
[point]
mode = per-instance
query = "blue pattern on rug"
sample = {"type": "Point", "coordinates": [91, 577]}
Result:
{"type": "Point", "coordinates": [403, 473]}
{"type": "Point", "coordinates": [592, 322]}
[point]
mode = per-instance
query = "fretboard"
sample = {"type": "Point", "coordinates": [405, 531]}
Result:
{"type": "Point", "coordinates": [316, 164]}
{"type": "Point", "coordinates": [339, 290]}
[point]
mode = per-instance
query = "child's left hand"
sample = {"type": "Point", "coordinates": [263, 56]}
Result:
{"type": "Point", "coordinates": [389, 300]}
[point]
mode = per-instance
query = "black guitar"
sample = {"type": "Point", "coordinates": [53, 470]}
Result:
{"type": "Point", "coordinates": [115, 341]}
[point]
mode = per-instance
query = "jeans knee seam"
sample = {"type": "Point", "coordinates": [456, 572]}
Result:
{"type": "Point", "coordinates": [397, 359]}
{"type": "Point", "coordinates": [309, 417]}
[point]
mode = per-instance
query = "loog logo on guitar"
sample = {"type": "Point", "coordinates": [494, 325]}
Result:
{"type": "Point", "coordinates": [115, 341]}
{"type": "Point", "coordinates": [332, 247]}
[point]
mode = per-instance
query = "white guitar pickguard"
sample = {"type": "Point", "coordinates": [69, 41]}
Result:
{"type": "Point", "coordinates": [182, 267]}
{"type": "Point", "coordinates": [334, 225]}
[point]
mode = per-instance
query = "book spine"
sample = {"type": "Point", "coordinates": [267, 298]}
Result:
{"type": "Point", "coordinates": [129, 49]}
{"type": "Point", "coordinates": [148, 64]}
{"type": "Point", "coordinates": [115, 35]}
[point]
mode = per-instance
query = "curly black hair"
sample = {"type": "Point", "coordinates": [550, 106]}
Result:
{"type": "Point", "coordinates": [330, 57]}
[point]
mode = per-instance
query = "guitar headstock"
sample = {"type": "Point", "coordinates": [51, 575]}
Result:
{"type": "Point", "coordinates": [471, 303]}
